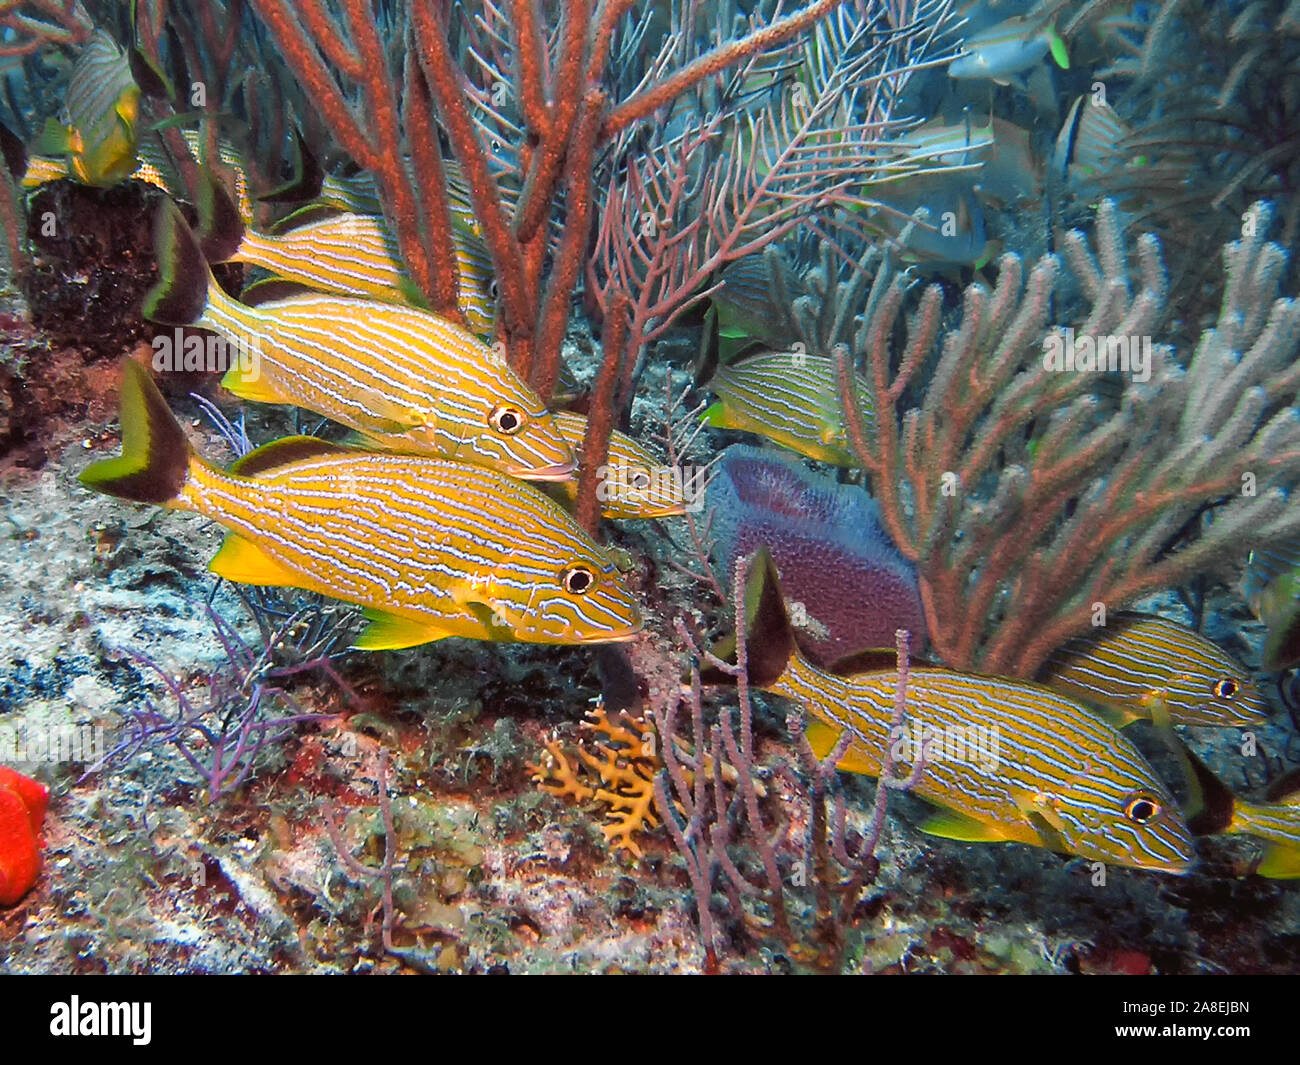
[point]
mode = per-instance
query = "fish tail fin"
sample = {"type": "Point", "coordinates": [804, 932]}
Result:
{"type": "Point", "coordinates": [715, 415]}
{"type": "Point", "coordinates": [221, 229]}
{"type": "Point", "coordinates": [185, 283]}
{"type": "Point", "coordinates": [156, 456]}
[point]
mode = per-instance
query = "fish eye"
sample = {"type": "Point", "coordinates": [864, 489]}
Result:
{"type": "Point", "coordinates": [507, 420]}
{"type": "Point", "coordinates": [1142, 809]}
{"type": "Point", "coordinates": [1226, 688]}
{"type": "Point", "coordinates": [494, 288]}
{"type": "Point", "coordinates": [640, 480]}
{"type": "Point", "coordinates": [577, 579]}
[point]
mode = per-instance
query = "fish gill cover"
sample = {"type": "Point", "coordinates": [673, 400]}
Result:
{"type": "Point", "coordinates": [443, 313]}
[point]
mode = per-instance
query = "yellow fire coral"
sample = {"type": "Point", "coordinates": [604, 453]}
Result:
{"type": "Point", "coordinates": [620, 774]}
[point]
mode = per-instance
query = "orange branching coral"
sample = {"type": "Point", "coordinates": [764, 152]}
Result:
{"type": "Point", "coordinates": [619, 774]}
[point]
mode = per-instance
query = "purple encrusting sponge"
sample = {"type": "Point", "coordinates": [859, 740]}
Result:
{"type": "Point", "coordinates": [847, 586]}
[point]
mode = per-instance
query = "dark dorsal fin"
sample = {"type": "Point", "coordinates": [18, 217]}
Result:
{"type": "Point", "coordinates": [14, 152]}
{"type": "Point", "coordinates": [1282, 639]}
{"type": "Point", "coordinates": [1210, 803]}
{"type": "Point", "coordinates": [183, 276]}
{"type": "Point", "coordinates": [1285, 788]}
{"type": "Point", "coordinates": [307, 179]}
{"type": "Point", "coordinates": [706, 359]}
{"type": "Point", "coordinates": [724, 649]}
{"type": "Point", "coordinates": [283, 452]}
{"type": "Point", "coordinates": [221, 229]}
{"type": "Point", "coordinates": [304, 216]}
{"type": "Point", "coordinates": [769, 636]}
{"type": "Point", "coordinates": [151, 79]}
{"type": "Point", "coordinates": [872, 660]}
{"type": "Point", "coordinates": [274, 288]}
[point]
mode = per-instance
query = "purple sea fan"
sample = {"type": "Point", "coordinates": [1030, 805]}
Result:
{"type": "Point", "coordinates": [848, 586]}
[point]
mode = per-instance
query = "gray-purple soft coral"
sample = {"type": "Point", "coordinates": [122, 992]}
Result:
{"type": "Point", "coordinates": [848, 586]}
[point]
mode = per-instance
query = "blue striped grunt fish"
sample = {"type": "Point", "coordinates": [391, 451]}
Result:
{"type": "Point", "coordinates": [154, 167]}
{"type": "Point", "coordinates": [406, 380]}
{"type": "Point", "coordinates": [638, 485]}
{"type": "Point", "coordinates": [1144, 667]}
{"type": "Point", "coordinates": [1271, 587]}
{"type": "Point", "coordinates": [429, 547]}
{"type": "Point", "coordinates": [357, 193]}
{"type": "Point", "coordinates": [97, 131]}
{"type": "Point", "coordinates": [329, 251]}
{"type": "Point", "coordinates": [790, 397]}
{"type": "Point", "coordinates": [153, 160]}
{"type": "Point", "coordinates": [1049, 773]}
{"type": "Point", "coordinates": [1216, 811]}
{"type": "Point", "coordinates": [1008, 49]}
{"type": "Point", "coordinates": [748, 308]}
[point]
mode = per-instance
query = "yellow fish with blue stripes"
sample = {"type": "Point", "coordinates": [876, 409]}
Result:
{"type": "Point", "coordinates": [1014, 761]}
{"type": "Point", "coordinates": [98, 129]}
{"type": "Point", "coordinates": [1216, 811]}
{"type": "Point", "coordinates": [791, 397]}
{"type": "Point", "coordinates": [1271, 586]}
{"type": "Point", "coordinates": [430, 548]}
{"type": "Point", "coordinates": [357, 193]}
{"type": "Point", "coordinates": [637, 484]}
{"type": "Point", "coordinates": [330, 251]}
{"type": "Point", "coordinates": [1140, 666]}
{"type": "Point", "coordinates": [406, 380]}
{"type": "Point", "coordinates": [154, 167]}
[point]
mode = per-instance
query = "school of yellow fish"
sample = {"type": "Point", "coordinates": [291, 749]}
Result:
{"type": "Point", "coordinates": [429, 522]}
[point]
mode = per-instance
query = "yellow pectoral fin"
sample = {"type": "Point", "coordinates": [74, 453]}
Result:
{"type": "Point", "coordinates": [387, 632]}
{"type": "Point", "coordinates": [823, 738]}
{"type": "Point", "coordinates": [390, 420]}
{"type": "Point", "coordinates": [717, 416]}
{"type": "Point", "coordinates": [1114, 715]}
{"type": "Point", "coordinates": [1043, 824]}
{"type": "Point", "coordinates": [386, 434]}
{"type": "Point", "coordinates": [243, 561]}
{"type": "Point", "coordinates": [1160, 716]}
{"type": "Point", "coordinates": [949, 824]}
{"type": "Point", "coordinates": [1048, 832]}
{"type": "Point", "coordinates": [495, 627]}
{"type": "Point", "coordinates": [251, 384]}
{"type": "Point", "coordinates": [1280, 862]}
{"type": "Point", "coordinates": [128, 109]}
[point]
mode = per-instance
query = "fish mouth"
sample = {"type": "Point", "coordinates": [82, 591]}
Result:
{"type": "Point", "coordinates": [1177, 868]}
{"type": "Point", "coordinates": [558, 471]}
{"type": "Point", "coordinates": [619, 635]}
{"type": "Point", "coordinates": [622, 637]}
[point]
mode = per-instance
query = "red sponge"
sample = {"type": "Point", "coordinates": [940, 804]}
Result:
{"type": "Point", "coordinates": [22, 810]}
